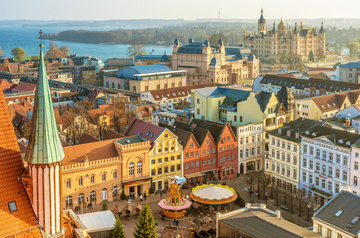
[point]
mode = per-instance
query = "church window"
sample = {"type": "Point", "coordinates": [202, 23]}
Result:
{"type": "Point", "coordinates": [131, 169]}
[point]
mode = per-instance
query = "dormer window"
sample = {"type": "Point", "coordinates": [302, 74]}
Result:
{"type": "Point", "coordinates": [313, 134]}
{"type": "Point", "coordinates": [341, 141]}
{"type": "Point", "coordinates": [348, 143]}
{"type": "Point", "coordinates": [297, 135]}
{"type": "Point", "coordinates": [307, 132]}
{"type": "Point", "coordinates": [288, 133]}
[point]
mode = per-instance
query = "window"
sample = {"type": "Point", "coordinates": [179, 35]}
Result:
{"type": "Point", "coordinates": [153, 172]}
{"type": "Point", "coordinates": [273, 141]}
{"type": "Point", "coordinates": [204, 162]}
{"type": "Point", "coordinates": [68, 183]}
{"type": "Point", "coordinates": [288, 171]}
{"type": "Point", "coordinates": [69, 202]}
{"type": "Point", "coordinates": [191, 145]}
{"type": "Point", "coordinates": [283, 156]}
{"type": "Point", "coordinates": [304, 162]}
{"type": "Point", "coordinates": [152, 161]}
{"type": "Point", "coordinates": [197, 164]}
{"type": "Point", "coordinates": [172, 168]}
{"type": "Point", "coordinates": [310, 178]}
{"type": "Point", "coordinates": [288, 146]}
{"type": "Point", "coordinates": [209, 151]}
{"type": "Point", "coordinates": [204, 152]}
{"type": "Point", "coordinates": [273, 166]}
{"type": "Point", "coordinates": [278, 143]}
{"type": "Point", "coordinates": [197, 153]}
{"type": "Point", "coordinates": [220, 160]}
{"type": "Point", "coordinates": [258, 150]}
{"type": "Point", "coordinates": [160, 169]}
{"type": "Point", "coordinates": [328, 233]}
{"type": "Point", "coordinates": [80, 181]}
{"type": "Point", "coordinates": [131, 169]}
{"type": "Point", "coordinates": [337, 173]}
{"type": "Point", "coordinates": [178, 167]}
{"type": "Point", "coordinates": [273, 153]}
{"type": "Point", "coordinates": [295, 148]}
{"type": "Point", "coordinates": [288, 158]}
{"type": "Point", "coordinates": [345, 161]}
{"type": "Point", "coordinates": [311, 164]}
{"type": "Point", "coordinates": [338, 159]}
{"type": "Point", "coordinates": [209, 161]}
{"type": "Point", "coordinates": [304, 176]}
{"type": "Point", "coordinates": [192, 164]}
{"type": "Point", "coordinates": [330, 171]}
{"type": "Point", "coordinates": [192, 154]}
{"type": "Point", "coordinates": [241, 153]}
{"type": "Point", "coordinates": [241, 141]}
{"type": "Point", "coordinates": [81, 199]}
{"type": "Point", "coordinates": [232, 157]}
{"type": "Point", "coordinates": [278, 168]}
{"type": "Point", "coordinates": [114, 174]}
{"type": "Point", "coordinates": [103, 176]}
{"type": "Point", "coordinates": [295, 160]}
{"type": "Point", "coordinates": [213, 160]}
{"type": "Point", "coordinates": [294, 174]}
{"type": "Point", "coordinates": [228, 138]}
{"type": "Point", "coordinates": [319, 230]}
{"type": "Point", "coordinates": [344, 175]}
{"type": "Point", "coordinates": [247, 140]}
{"type": "Point", "coordinates": [324, 168]}
{"type": "Point", "coordinates": [253, 151]}
{"type": "Point", "coordinates": [329, 185]}
{"type": "Point", "coordinates": [305, 149]}
{"type": "Point", "coordinates": [323, 183]}
{"type": "Point", "coordinates": [208, 142]}
{"type": "Point", "coordinates": [12, 206]}
{"type": "Point", "coordinates": [247, 153]}
{"type": "Point", "coordinates": [317, 168]}
{"type": "Point", "coordinates": [139, 167]}
{"type": "Point", "coordinates": [283, 169]}
{"type": "Point", "coordinates": [187, 155]}
{"type": "Point", "coordinates": [317, 181]}
{"type": "Point", "coordinates": [213, 151]}
{"type": "Point", "coordinates": [356, 165]}
{"type": "Point", "coordinates": [166, 170]}
{"type": "Point", "coordinates": [337, 188]}
{"type": "Point", "coordinates": [355, 182]}
{"type": "Point", "coordinates": [331, 157]}
{"type": "Point", "coordinates": [311, 150]}
{"type": "Point", "coordinates": [92, 178]}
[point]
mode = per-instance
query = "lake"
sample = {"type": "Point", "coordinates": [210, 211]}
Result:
{"type": "Point", "coordinates": [26, 38]}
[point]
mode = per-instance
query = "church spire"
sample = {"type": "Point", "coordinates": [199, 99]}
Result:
{"type": "Point", "coordinates": [44, 144]}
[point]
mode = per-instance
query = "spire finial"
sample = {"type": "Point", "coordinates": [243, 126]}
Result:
{"type": "Point", "coordinates": [41, 33]}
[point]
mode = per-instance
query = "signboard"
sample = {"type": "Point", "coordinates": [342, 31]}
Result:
{"type": "Point", "coordinates": [136, 182]}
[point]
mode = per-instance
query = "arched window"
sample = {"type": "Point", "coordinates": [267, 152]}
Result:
{"type": "Point", "coordinates": [92, 196]}
{"type": "Point", "coordinates": [103, 176]}
{"type": "Point", "coordinates": [355, 181]}
{"type": "Point", "coordinates": [68, 183]}
{"type": "Point", "coordinates": [131, 169]}
{"type": "Point", "coordinates": [92, 178]}
{"type": "Point", "coordinates": [104, 194]}
{"type": "Point", "coordinates": [81, 199]}
{"type": "Point", "coordinates": [115, 174]}
{"type": "Point", "coordinates": [80, 181]}
{"type": "Point", "coordinates": [139, 167]}
{"type": "Point", "coordinates": [69, 202]}
{"type": "Point", "coordinates": [115, 191]}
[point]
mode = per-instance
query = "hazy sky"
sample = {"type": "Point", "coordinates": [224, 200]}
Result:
{"type": "Point", "coordinates": [171, 9]}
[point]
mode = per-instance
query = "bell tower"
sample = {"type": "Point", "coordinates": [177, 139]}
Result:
{"type": "Point", "coordinates": [262, 23]}
{"type": "Point", "coordinates": [44, 155]}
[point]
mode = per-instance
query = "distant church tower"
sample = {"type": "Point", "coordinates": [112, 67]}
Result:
{"type": "Point", "coordinates": [262, 23]}
{"type": "Point", "coordinates": [44, 155]}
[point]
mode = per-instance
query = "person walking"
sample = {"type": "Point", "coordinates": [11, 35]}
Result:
{"type": "Point", "coordinates": [141, 197]}
{"type": "Point", "coordinates": [90, 206]}
{"type": "Point", "coordinates": [145, 196]}
{"type": "Point", "coordinates": [160, 194]}
{"type": "Point", "coordinates": [163, 217]}
{"type": "Point", "coordinates": [156, 222]}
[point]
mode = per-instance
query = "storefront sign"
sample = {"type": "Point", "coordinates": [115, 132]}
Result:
{"type": "Point", "coordinates": [137, 182]}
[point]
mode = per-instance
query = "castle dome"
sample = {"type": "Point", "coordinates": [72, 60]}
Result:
{"type": "Point", "coordinates": [214, 62]}
{"type": "Point", "coordinates": [281, 25]}
{"type": "Point", "coordinates": [207, 43]}
{"type": "Point", "coordinates": [251, 57]}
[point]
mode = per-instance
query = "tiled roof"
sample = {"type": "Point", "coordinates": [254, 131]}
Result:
{"type": "Point", "coordinates": [348, 220]}
{"type": "Point", "coordinates": [94, 151]}
{"type": "Point", "coordinates": [11, 188]}
{"type": "Point", "coordinates": [177, 92]}
{"type": "Point", "coordinates": [299, 83]}
{"type": "Point", "coordinates": [68, 96]}
{"type": "Point", "coordinates": [67, 118]}
{"type": "Point", "coordinates": [146, 130]}
{"type": "Point", "coordinates": [214, 128]}
{"type": "Point", "coordinates": [183, 136]}
{"type": "Point", "coordinates": [24, 87]}
{"type": "Point", "coordinates": [111, 134]}
{"type": "Point", "coordinates": [5, 84]}
{"type": "Point", "coordinates": [87, 138]}
{"type": "Point", "coordinates": [94, 93]}
{"type": "Point", "coordinates": [144, 111]}
{"type": "Point", "coordinates": [334, 101]}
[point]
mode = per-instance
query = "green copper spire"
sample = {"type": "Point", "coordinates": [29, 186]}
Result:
{"type": "Point", "coordinates": [44, 144]}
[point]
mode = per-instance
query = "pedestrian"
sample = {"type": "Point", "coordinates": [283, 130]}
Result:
{"type": "Point", "coordinates": [90, 206]}
{"type": "Point", "coordinates": [163, 217]}
{"type": "Point", "coordinates": [129, 201]}
{"type": "Point", "coordinates": [160, 194]}
{"type": "Point", "coordinates": [145, 196]}
{"type": "Point", "coordinates": [259, 196]}
{"type": "Point", "coordinates": [175, 221]}
{"type": "Point", "coordinates": [156, 222]}
{"type": "Point", "coordinates": [140, 199]}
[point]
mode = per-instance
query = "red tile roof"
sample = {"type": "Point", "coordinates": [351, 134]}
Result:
{"type": "Point", "coordinates": [25, 87]}
{"type": "Point", "coordinates": [5, 84]}
{"type": "Point", "coordinates": [334, 101]}
{"type": "Point", "coordinates": [94, 151]}
{"type": "Point", "coordinates": [11, 188]}
{"type": "Point", "coordinates": [111, 134]}
{"type": "Point", "coordinates": [87, 138]}
{"type": "Point", "coordinates": [146, 130]}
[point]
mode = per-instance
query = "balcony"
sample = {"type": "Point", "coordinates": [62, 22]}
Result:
{"type": "Point", "coordinates": [270, 115]}
{"type": "Point", "coordinates": [270, 127]}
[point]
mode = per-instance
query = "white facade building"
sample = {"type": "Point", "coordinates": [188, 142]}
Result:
{"type": "Point", "coordinates": [325, 160]}
{"type": "Point", "coordinates": [250, 147]}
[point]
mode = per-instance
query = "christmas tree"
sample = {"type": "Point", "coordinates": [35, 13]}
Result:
{"type": "Point", "coordinates": [104, 205]}
{"type": "Point", "coordinates": [118, 231]}
{"type": "Point", "coordinates": [145, 227]}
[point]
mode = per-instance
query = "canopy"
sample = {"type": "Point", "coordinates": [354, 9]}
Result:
{"type": "Point", "coordinates": [98, 221]}
{"type": "Point", "coordinates": [213, 194]}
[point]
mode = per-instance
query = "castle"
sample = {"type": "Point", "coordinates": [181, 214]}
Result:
{"type": "Point", "coordinates": [298, 41]}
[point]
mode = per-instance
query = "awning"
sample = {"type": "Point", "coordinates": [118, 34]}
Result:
{"type": "Point", "coordinates": [194, 175]}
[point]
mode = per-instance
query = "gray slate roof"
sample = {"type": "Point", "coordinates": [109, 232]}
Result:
{"type": "Point", "coordinates": [346, 202]}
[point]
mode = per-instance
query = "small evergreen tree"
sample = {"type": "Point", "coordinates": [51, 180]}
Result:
{"type": "Point", "coordinates": [145, 225]}
{"type": "Point", "coordinates": [104, 205]}
{"type": "Point", "coordinates": [123, 195]}
{"type": "Point", "coordinates": [239, 200]}
{"type": "Point", "coordinates": [118, 231]}
{"type": "Point", "coordinates": [311, 56]}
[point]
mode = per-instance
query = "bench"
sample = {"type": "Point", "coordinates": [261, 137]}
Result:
{"type": "Point", "coordinates": [285, 208]}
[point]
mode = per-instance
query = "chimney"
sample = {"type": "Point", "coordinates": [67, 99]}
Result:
{"type": "Point", "coordinates": [347, 122]}
{"type": "Point", "coordinates": [263, 206]}
{"type": "Point", "coordinates": [278, 214]}
{"type": "Point", "coordinates": [193, 127]}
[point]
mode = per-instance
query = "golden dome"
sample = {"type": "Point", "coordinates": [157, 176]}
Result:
{"type": "Point", "coordinates": [281, 25]}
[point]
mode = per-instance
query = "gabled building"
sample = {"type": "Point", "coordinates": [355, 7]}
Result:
{"type": "Point", "coordinates": [166, 153]}
{"type": "Point", "coordinates": [326, 106]}
{"type": "Point", "coordinates": [348, 72]}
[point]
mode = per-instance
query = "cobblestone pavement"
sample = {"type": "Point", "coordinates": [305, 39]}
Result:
{"type": "Point", "coordinates": [238, 184]}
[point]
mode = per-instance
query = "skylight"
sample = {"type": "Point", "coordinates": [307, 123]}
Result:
{"type": "Point", "coordinates": [148, 133]}
{"type": "Point", "coordinates": [356, 219]}
{"type": "Point", "coordinates": [339, 213]}
{"type": "Point", "coordinates": [12, 206]}
{"type": "Point", "coordinates": [152, 135]}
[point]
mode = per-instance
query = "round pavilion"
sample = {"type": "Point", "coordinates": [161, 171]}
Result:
{"type": "Point", "coordinates": [214, 197]}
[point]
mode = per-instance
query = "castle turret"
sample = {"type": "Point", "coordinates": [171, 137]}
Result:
{"type": "Point", "coordinates": [176, 45]}
{"type": "Point", "coordinates": [281, 29]}
{"type": "Point", "coordinates": [262, 23]}
{"type": "Point", "coordinates": [44, 156]}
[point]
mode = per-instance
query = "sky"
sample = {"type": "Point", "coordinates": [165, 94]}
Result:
{"type": "Point", "coordinates": [175, 9]}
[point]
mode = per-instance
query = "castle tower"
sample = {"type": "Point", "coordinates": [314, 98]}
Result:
{"type": "Point", "coordinates": [262, 23]}
{"type": "Point", "coordinates": [281, 29]}
{"type": "Point", "coordinates": [44, 155]}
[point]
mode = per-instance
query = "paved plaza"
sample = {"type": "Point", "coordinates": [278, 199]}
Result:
{"type": "Point", "coordinates": [238, 184]}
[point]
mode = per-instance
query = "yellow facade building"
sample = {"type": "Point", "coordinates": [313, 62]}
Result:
{"type": "Point", "coordinates": [165, 155]}
{"type": "Point", "coordinates": [98, 171]}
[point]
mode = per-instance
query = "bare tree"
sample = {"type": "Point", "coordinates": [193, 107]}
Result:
{"type": "Point", "coordinates": [301, 195]}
